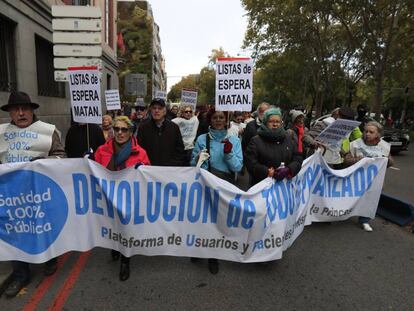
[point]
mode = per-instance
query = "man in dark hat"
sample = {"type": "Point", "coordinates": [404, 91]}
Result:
{"type": "Point", "coordinates": [161, 138]}
{"type": "Point", "coordinates": [140, 115]}
{"type": "Point", "coordinates": [362, 116]}
{"type": "Point", "coordinates": [41, 140]}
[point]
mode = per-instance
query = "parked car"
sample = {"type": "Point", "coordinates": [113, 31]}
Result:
{"type": "Point", "coordinates": [398, 139]}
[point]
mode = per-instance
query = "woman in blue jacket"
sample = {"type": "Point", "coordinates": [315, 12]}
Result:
{"type": "Point", "coordinates": [218, 153]}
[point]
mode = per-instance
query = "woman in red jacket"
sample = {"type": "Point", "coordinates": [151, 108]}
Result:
{"type": "Point", "coordinates": [116, 154]}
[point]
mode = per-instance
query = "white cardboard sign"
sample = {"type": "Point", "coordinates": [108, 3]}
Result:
{"type": "Point", "coordinates": [234, 84]}
{"type": "Point", "coordinates": [113, 102]}
{"type": "Point", "coordinates": [337, 131]}
{"type": "Point", "coordinates": [161, 94]}
{"type": "Point", "coordinates": [189, 97]}
{"type": "Point", "coordinates": [85, 94]}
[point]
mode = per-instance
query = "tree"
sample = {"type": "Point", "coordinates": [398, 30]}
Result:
{"type": "Point", "coordinates": [204, 82]}
{"type": "Point", "coordinates": [342, 41]}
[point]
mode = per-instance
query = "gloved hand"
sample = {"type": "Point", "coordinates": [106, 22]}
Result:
{"type": "Point", "coordinates": [138, 165]}
{"type": "Point", "coordinates": [281, 173]}
{"type": "Point", "coordinates": [228, 146]}
{"type": "Point", "coordinates": [89, 154]}
{"type": "Point", "coordinates": [202, 156]}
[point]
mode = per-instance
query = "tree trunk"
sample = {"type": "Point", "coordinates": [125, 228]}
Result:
{"type": "Point", "coordinates": [377, 102]}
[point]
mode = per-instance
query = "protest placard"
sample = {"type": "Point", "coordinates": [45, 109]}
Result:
{"type": "Point", "coordinates": [85, 94]}
{"type": "Point", "coordinates": [337, 131]}
{"type": "Point", "coordinates": [161, 94]}
{"type": "Point", "coordinates": [112, 100]}
{"type": "Point", "coordinates": [189, 97]}
{"type": "Point", "coordinates": [234, 84]}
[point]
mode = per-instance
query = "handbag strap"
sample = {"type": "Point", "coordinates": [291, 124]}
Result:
{"type": "Point", "coordinates": [208, 150]}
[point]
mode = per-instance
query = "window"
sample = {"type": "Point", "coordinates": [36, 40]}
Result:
{"type": "Point", "coordinates": [8, 80]}
{"type": "Point", "coordinates": [108, 81]}
{"type": "Point", "coordinates": [46, 85]}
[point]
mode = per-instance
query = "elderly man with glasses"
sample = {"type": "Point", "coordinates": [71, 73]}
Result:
{"type": "Point", "coordinates": [161, 138]}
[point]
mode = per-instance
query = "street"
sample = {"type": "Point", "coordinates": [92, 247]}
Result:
{"type": "Point", "coordinates": [330, 267]}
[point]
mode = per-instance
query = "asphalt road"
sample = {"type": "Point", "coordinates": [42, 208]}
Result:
{"type": "Point", "coordinates": [329, 267]}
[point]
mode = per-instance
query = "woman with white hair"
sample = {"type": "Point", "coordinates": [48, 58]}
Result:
{"type": "Point", "coordinates": [371, 145]}
{"type": "Point", "coordinates": [188, 124]}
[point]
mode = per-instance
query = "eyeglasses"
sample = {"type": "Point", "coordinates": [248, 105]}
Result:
{"type": "Point", "coordinates": [122, 129]}
{"type": "Point", "coordinates": [188, 111]}
{"type": "Point", "coordinates": [140, 108]}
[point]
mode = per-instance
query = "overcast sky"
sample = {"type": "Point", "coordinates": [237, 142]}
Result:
{"type": "Point", "coordinates": [190, 29]}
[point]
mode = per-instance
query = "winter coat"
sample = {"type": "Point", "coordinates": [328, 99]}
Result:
{"type": "Point", "coordinates": [105, 152]}
{"type": "Point", "coordinates": [164, 144]}
{"type": "Point", "coordinates": [76, 143]}
{"type": "Point", "coordinates": [228, 163]}
{"type": "Point", "coordinates": [249, 132]}
{"type": "Point", "coordinates": [263, 153]}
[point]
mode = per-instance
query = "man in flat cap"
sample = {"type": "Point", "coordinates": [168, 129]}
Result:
{"type": "Point", "coordinates": [41, 140]}
{"type": "Point", "coordinates": [161, 138]}
{"type": "Point", "coordinates": [140, 114]}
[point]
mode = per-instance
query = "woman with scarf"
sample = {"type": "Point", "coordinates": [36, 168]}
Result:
{"type": "Point", "coordinates": [218, 153]}
{"type": "Point", "coordinates": [120, 152]}
{"type": "Point", "coordinates": [298, 133]}
{"type": "Point", "coordinates": [272, 152]}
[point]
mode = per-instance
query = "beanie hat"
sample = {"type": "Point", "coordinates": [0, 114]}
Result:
{"type": "Point", "coordinates": [271, 112]}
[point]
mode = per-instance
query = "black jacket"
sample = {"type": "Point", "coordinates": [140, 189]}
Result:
{"type": "Point", "coordinates": [76, 142]}
{"type": "Point", "coordinates": [263, 153]}
{"type": "Point", "coordinates": [249, 132]}
{"type": "Point", "coordinates": [164, 145]}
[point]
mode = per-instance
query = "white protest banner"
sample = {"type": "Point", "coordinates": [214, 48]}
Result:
{"type": "Point", "coordinates": [234, 84]}
{"type": "Point", "coordinates": [85, 94]}
{"type": "Point", "coordinates": [45, 212]}
{"type": "Point", "coordinates": [161, 94]}
{"type": "Point", "coordinates": [189, 97]}
{"type": "Point", "coordinates": [337, 131]}
{"type": "Point", "coordinates": [113, 102]}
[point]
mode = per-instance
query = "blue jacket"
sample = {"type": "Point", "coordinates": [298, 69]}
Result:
{"type": "Point", "coordinates": [230, 162]}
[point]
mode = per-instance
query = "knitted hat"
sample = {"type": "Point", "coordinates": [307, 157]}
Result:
{"type": "Point", "coordinates": [271, 112]}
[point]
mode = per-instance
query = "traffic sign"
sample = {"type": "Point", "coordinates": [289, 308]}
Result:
{"type": "Point", "coordinates": [77, 50]}
{"type": "Point", "coordinates": [76, 24]}
{"type": "Point", "coordinates": [65, 62]}
{"type": "Point", "coordinates": [78, 11]}
{"type": "Point", "coordinates": [77, 37]}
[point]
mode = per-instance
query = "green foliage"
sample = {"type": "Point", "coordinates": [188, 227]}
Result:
{"type": "Point", "coordinates": [204, 82]}
{"type": "Point", "coordinates": [136, 28]}
{"type": "Point", "coordinates": [342, 49]}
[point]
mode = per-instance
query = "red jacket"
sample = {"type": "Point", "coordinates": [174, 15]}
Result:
{"type": "Point", "coordinates": [138, 155]}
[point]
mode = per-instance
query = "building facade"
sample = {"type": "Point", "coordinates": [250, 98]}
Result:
{"type": "Point", "coordinates": [141, 49]}
{"type": "Point", "coordinates": [26, 56]}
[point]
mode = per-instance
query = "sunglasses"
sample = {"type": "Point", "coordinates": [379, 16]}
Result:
{"type": "Point", "coordinates": [140, 108]}
{"type": "Point", "coordinates": [122, 129]}
{"type": "Point", "coordinates": [188, 111]}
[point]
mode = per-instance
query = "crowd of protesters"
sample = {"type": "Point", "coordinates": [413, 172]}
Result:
{"type": "Point", "coordinates": [222, 143]}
